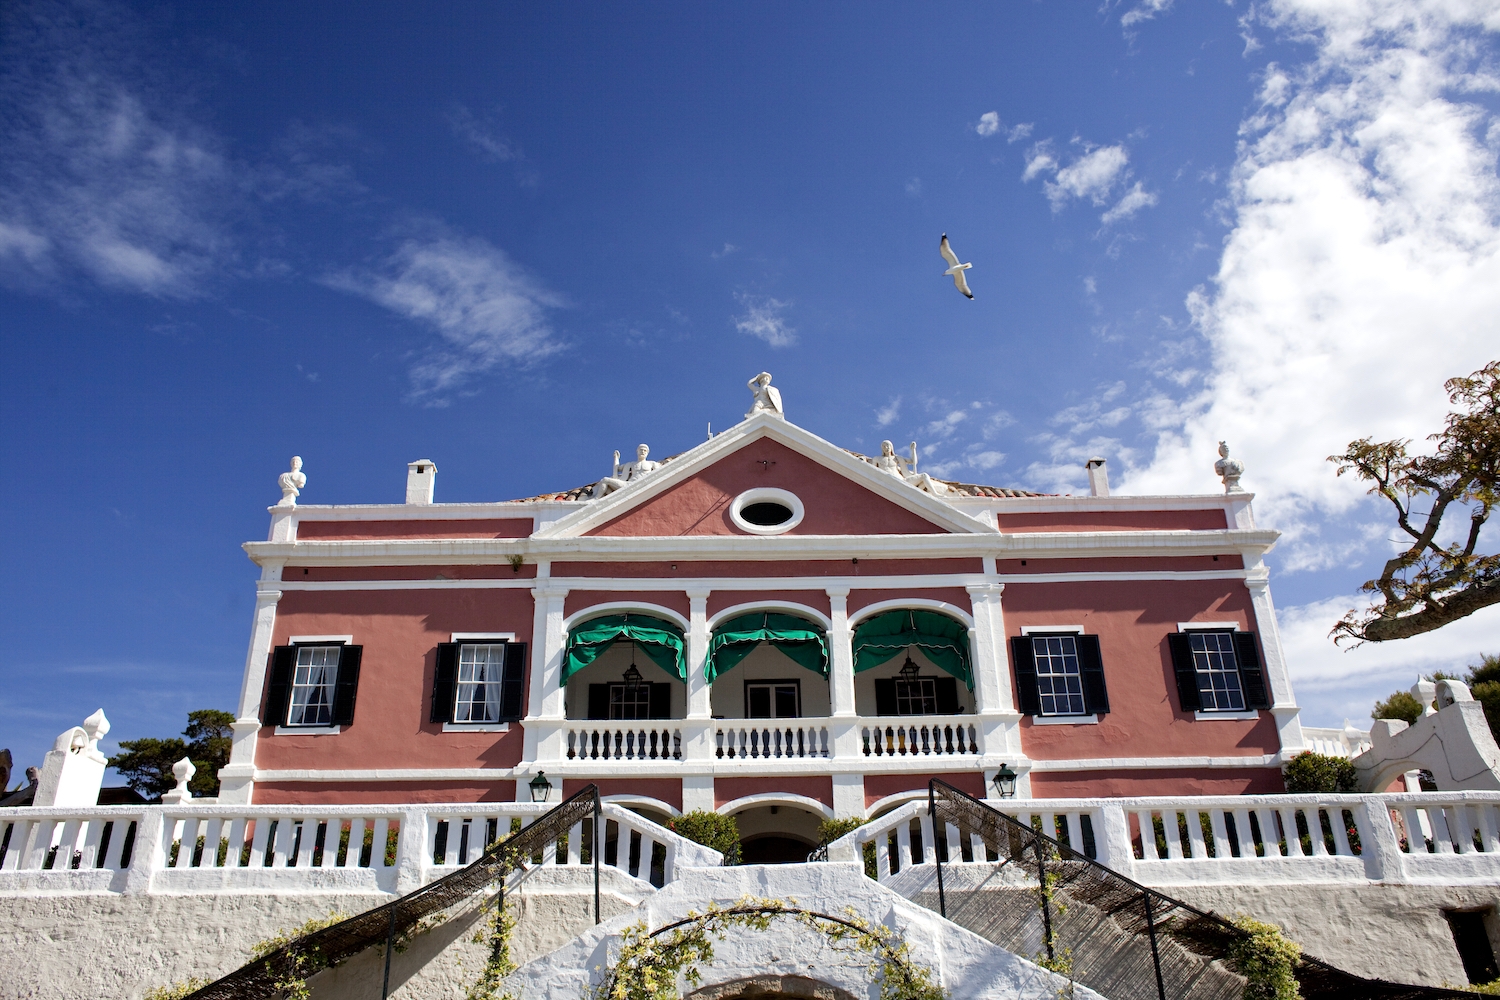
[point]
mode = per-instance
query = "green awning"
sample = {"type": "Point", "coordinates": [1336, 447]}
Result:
{"type": "Point", "coordinates": [886, 636]}
{"type": "Point", "coordinates": [798, 638]}
{"type": "Point", "coordinates": [658, 639]}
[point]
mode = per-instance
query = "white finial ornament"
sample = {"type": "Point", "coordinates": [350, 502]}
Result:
{"type": "Point", "coordinates": [1229, 470]}
{"type": "Point", "coordinates": [183, 771]}
{"type": "Point", "coordinates": [291, 483]}
{"type": "Point", "coordinates": [767, 396]}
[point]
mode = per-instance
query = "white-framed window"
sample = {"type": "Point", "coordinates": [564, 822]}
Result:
{"type": "Point", "coordinates": [916, 696]}
{"type": "Point", "coordinates": [481, 670]}
{"type": "Point", "coordinates": [773, 700]}
{"type": "Point", "coordinates": [1059, 674]}
{"type": "Point", "coordinates": [1218, 671]}
{"type": "Point", "coordinates": [630, 701]}
{"type": "Point", "coordinates": [314, 676]}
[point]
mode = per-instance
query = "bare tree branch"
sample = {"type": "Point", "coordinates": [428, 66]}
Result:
{"type": "Point", "coordinates": [1428, 585]}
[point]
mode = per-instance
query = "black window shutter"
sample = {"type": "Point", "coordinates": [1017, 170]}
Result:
{"type": "Point", "coordinates": [444, 679]}
{"type": "Point", "coordinates": [598, 701]}
{"type": "Point", "coordinates": [283, 660]}
{"type": "Point", "coordinates": [1252, 677]}
{"type": "Point", "coordinates": [661, 701]}
{"type": "Point", "coordinates": [513, 681]}
{"type": "Point", "coordinates": [1023, 657]}
{"type": "Point", "coordinates": [346, 685]}
{"type": "Point", "coordinates": [947, 695]}
{"type": "Point", "coordinates": [1181, 645]}
{"type": "Point", "coordinates": [1091, 667]}
{"type": "Point", "coordinates": [885, 697]}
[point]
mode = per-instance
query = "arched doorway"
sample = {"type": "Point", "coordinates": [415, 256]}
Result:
{"type": "Point", "coordinates": [771, 988]}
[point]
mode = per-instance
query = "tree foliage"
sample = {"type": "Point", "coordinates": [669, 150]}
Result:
{"type": "Point", "coordinates": [1400, 705]}
{"type": "Point", "coordinates": [1316, 772]}
{"type": "Point", "coordinates": [146, 763]}
{"type": "Point", "coordinates": [722, 833]}
{"type": "Point", "coordinates": [1430, 584]}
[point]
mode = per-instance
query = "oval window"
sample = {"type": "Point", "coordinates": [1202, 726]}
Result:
{"type": "Point", "coordinates": [766, 513]}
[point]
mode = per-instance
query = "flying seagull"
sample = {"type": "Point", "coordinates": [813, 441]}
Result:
{"type": "Point", "coordinates": [954, 267]}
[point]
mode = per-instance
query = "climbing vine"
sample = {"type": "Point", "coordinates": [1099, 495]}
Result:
{"type": "Point", "coordinates": [1052, 958]}
{"type": "Point", "coordinates": [177, 990]}
{"type": "Point", "coordinates": [497, 929]}
{"type": "Point", "coordinates": [650, 963]}
{"type": "Point", "coordinates": [1267, 959]}
{"type": "Point", "coordinates": [305, 960]}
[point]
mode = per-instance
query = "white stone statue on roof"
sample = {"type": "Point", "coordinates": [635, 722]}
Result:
{"type": "Point", "coordinates": [906, 470]}
{"type": "Point", "coordinates": [291, 483]}
{"type": "Point", "coordinates": [624, 475]}
{"type": "Point", "coordinates": [767, 396]}
{"type": "Point", "coordinates": [1229, 470]}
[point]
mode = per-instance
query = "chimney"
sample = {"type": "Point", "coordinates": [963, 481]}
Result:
{"type": "Point", "coordinates": [420, 478]}
{"type": "Point", "coordinates": [1098, 477]}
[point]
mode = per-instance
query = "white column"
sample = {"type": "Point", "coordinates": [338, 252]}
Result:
{"type": "Point", "coordinates": [1278, 677]}
{"type": "Point", "coordinates": [994, 704]}
{"type": "Point", "coordinates": [237, 778]}
{"type": "Point", "coordinates": [698, 728]}
{"type": "Point", "coordinates": [991, 662]}
{"type": "Point", "coordinates": [699, 698]}
{"type": "Point", "coordinates": [549, 643]}
{"type": "Point", "coordinates": [840, 655]}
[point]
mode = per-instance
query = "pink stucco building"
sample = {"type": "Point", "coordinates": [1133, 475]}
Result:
{"type": "Point", "coordinates": [767, 625]}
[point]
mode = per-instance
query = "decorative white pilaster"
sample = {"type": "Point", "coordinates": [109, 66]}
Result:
{"type": "Point", "coordinates": [840, 655]}
{"type": "Point", "coordinates": [1283, 701]}
{"type": "Point", "coordinates": [998, 718]}
{"type": "Point", "coordinates": [697, 731]}
{"type": "Point", "coordinates": [237, 778]}
{"type": "Point", "coordinates": [546, 705]}
{"type": "Point", "coordinates": [699, 700]}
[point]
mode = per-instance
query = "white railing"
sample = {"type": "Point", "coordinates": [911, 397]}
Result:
{"type": "Point", "coordinates": [1452, 836]}
{"type": "Point", "coordinates": [186, 847]}
{"type": "Point", "coordinates": [623, 741]}
{"type": "Point", "coordinates": [919, 736]}
{"type": "Point", "coordinates": [1347, 742]}
{"type": "Point", "coordinates": [750, 739]}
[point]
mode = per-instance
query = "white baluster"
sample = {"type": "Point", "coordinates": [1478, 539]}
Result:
{"type": "Point", "coordinates": [903, 845]}
{"type": "Point", "coordinates": [1314, 816]}
{"type": "Point", "coordinates": [1148, 836]}
{"type": "Point", "coordinates": [1442, 835]}
{"type": "Point", "coordinates": [1173, 832]}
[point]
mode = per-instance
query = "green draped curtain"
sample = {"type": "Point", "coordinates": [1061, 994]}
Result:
{"type": "Point", "coordinates": [798, 638]}
{"type": "Point", "coordinates": [944, 641]}
{"type": "Point", "coordinates": [658, 639]}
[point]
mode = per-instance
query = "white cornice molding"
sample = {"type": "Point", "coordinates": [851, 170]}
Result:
{"type": "Point", "coordinates": [599, 512]}
{"type": "Point", "coordinates": [1090, 504]}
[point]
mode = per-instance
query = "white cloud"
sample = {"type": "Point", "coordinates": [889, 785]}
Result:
{"type": "Point", "coordinates": [945, 426]}
{"type": "Point", "coordinates": [986, 459]}
{"type": "Point", "coordinates": [99, 177]}
{"type": "Point", "coordinates": [729, 248]}
{"type": "Point", "coordinates": [1019, 132]}
{"type": "Point", "coordinates": [1039, 160]}
{"type": "Point", "coordinates": [1133, 201]}
{"type": "Point", "coordinates": [482, 135]}
{"type": "Point", "coordinates": [487, 309]}
{"type": "Point", "coordinates": [1091, 176]}
{"type": "Point", "coordinates": [989, 123]}
{"type": "Point", "coordinates": [914, 186]}
{"type": "Point", "coordinates": [763, 319]}
{"type": "Point", "coordinates": [889, 414]}
{"type": "Point", "coordinates": [1144, 11]}
{"type": "Point", "coordinates": [1363, 267]}
{"type": "Point", "coordinates": [1333, 684]}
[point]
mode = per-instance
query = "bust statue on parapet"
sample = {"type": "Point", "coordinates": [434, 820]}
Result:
{"type": "Point", "coordinates": [291, 483]}
{"type": "Point", "coordinates": [906, 469]}
{"type": "Point", "coordinates": [767, 396]}
{"type": "Point", "coordinates": [1229, 470]}
{"type": "Point", "coordinates": [624, 475]}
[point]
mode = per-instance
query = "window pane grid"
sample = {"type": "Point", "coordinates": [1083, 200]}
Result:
{"type": "Point", "coordinates": [918, 697]}
{"type": "Point", "coordinates": [1218, 672]}
{"type": "Point", "coordinates": [630, 701]}
{"type": "Point", "coordinates": [480, 669]}
{"type": "Point", "coordinates": [312, 686]}
{"type": "Point", "coordinates": [1059, 680]}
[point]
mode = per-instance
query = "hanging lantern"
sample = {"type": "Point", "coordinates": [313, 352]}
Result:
{"type": "Point", "coordinates": [540, 787]}
{"type": "Point", "coordinates": [1005, 782]}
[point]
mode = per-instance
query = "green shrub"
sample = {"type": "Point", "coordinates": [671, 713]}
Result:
{"type": "Point", "coordinates": [1400, 705]}
{"type": "Point", "coordinates": [710, 829]}
{"type": "Point", "coordinates": [1267, 959]}
{"type": "Point", "coordinates": [832, 829]}
{"type": "Point", "coordinates": [177, 990]}
{"type": "Point", "coordinates": [1316, 772]}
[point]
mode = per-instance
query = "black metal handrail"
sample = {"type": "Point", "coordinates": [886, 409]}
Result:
{"type": "Point", "coordinates": [1135, 909]}
{"type": "Point", "coordinates": [383, 924]}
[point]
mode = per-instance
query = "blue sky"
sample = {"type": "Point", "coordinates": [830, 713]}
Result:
{"type": "Point", "coordinates": [514, 240]}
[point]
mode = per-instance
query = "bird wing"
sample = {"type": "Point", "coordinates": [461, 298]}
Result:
{"type": "Point", "coordinates": [947, 252]}
{"type": "Point", "coordinates": [963, 286]}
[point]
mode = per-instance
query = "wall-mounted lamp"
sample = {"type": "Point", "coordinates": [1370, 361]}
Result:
{"type": "Point", "coordinates": [1005, 782]}
{"type": "Point", "coordinates": [541, 787]}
